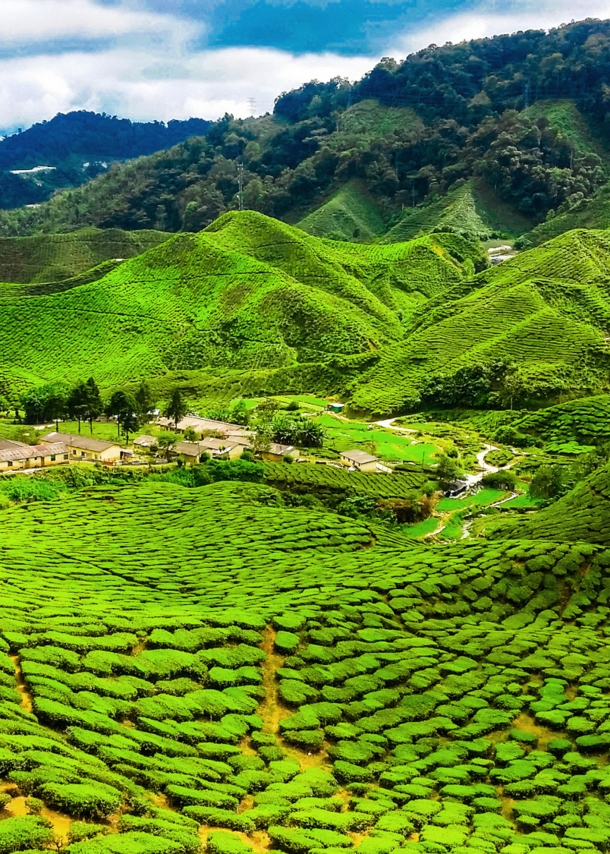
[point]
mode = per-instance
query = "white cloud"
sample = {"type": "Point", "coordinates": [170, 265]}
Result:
{"type": "Point", "coordinates": [503, 18]}
{"type": "Point", "coordinates": [145, 85]}
{"type": "Point", "coordinates": [25, 23]}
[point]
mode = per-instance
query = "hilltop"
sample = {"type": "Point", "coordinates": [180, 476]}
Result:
{"type": "Point", "coordinates": [53, 258]}
{"type": "Point", "coordinates": [74, 148]}
{"type": "Point", "coordinates": [539, 319]}
{"type": "Point", "coordinates": [248, 293]}
{"type": "Point", "coordinates": [494, 135]}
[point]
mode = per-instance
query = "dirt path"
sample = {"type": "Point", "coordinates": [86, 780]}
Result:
{"type": "Point", "coordinates": [388, 424]}
{"type": "Point", "coordinates": [26, 697]}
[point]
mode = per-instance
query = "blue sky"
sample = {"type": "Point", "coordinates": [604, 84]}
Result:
{"type": "Point", "coordinates": [162, 59]}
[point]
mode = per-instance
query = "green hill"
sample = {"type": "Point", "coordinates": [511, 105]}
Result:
{"type": "Point", "coordinates": [586, 213]}
{"type": "Point", "coordinates": [582, 515]}
{"type": "Point", "coordinates": [247, 293]}
{"type": "Point", "coordinates": [585, 421]}
{"type": "Point", "coordinates": [55, 257]}
{"type": "Point", "coordinates": [350, 214]}
{"type": "Point", "coordinates": [583, 134]}
{"type": "Point", "coordinates": [546, 311]}
{"type": "Point", "coordinates": [472, 209]}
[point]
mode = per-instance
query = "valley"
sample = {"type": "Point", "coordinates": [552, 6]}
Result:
{"type": "Point", "coordinates": [305, 467]}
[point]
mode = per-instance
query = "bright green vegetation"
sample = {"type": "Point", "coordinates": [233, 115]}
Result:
{"type": "Point", "coordinates": [545, 312]}
{"type": "Point", "coordinates": [186, 666]}
{"type": "Point", "coordinates": [248, 293]}
{"type": "Point", "coordinates": [584, 213]}
{"type": "Point", "coordinates": [471, 209]}
{"type": "Point", "coordinates": [585, 421]}
{"type": "Point", "coordinates": [583, 514]}
{"type": "Point", "coordinates": [388, 445]}
{"type": "Point", "coordinates": [323, 478]}
{"type": "Point", "coordinates": [582, 134]}
{"type": "Point", "coordinates": [54, 258]}
{"type": "Point", "coordinates": [350, 214]}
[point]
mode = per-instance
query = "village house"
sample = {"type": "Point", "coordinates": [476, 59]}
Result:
{"type": "Point", "coordinates": [20, 457]}
{"type": "Point", "coordinates": [218, 449]}
{"type": "Point", "coordinates": [87, 448]}
{"type": "Point", "coordinates": [199, 425]}
{"type": "Point", "coordinates": [275, 453]}
{"type": "Point", "coordinates": [360, 460]}
{"type": "Point", "coordinates": [144, 443]}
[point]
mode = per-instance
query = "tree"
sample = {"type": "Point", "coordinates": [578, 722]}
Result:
{"type": "Point", "coordinates": [167, 442]}
{"type": "Point", "coordinates": [240, 414]}
{"type": "Point", "coordinates": [145, 400]}
{"type": "Point", "coordinates": [5, 405]}
{"type": "Point", "coordinates": [190, 435]}
{"type": "Point", "coordinates": [548, 482]}
{"type": "Point", "coordinates": [44, 403]}
{"type": "Point", "coordinates": [448, 469]}
{"type": "Point", "coordinates": [93, 402]}
{"type": "Point", "coordinates": [177, 407]}
{"type": "Point", "coordinates": [77, 402]}
{"type": "Point", "coordinates": [123, 407]}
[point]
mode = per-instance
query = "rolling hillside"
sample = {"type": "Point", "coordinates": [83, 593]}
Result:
{"type": "Point", "coordinates": [351, 214]}
{"type": "Point", "coordinates": [547, 311]}
{"type": "Point", "coordinates": [471, 209]}
{"type": "Point", "coordinates": [55, 257]}
{"type": "Point", "coordinates": [247, 293]}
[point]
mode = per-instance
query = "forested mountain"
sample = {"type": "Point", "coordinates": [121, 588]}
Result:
{"type": "Point", "coordinates": [77, 147]}
{"type": "Point", "coordinates": [484, 109]}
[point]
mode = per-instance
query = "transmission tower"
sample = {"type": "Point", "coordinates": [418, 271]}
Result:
{"type": "Point", "coordinates": [252, 107]}
{"type": "Point", "coordinates": [240, 178]}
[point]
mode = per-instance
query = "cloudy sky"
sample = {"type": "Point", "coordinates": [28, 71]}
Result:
{"type": "Point", "coordinates": [163, 59]}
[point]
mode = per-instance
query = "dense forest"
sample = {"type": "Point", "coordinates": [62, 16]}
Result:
{"type": "Point", "coordinates": [451, 112]}
{"type": "Point", "coordinates": [78, 146]}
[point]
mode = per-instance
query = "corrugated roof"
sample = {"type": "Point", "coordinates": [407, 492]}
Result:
{"type": "Point", "coordinates": [360, 457]}
{"type": "Point", "coordinates": [83, 443]}
{"type": "Point", "coordinates": [280, 450]}
{"type": "Point", "coordinates": [30, 452]}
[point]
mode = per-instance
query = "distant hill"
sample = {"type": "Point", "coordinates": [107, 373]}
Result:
{"type": "Point", "coordinates": [53, 258]}
{"type": "Point", "coordinates": [247, 294]}
{"type": "Point", "coordinates": [471, 208]}
{"type": "Point", "coordinates": [350, 214]}
{"type": "Point", "coordinates": [519, 120]}
{"type": "Point", "coordinates": [546, 313]}
{"type": "Point", "coordinates": [73, 148]}
{"type": "Point", "coordinates": [582, 515]}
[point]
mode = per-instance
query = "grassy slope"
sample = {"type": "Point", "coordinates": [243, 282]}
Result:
{"type": "Point", "coordinates": [547, 307]}
{"type": "Point", "coordinates": [248, 292]}
{"type": "Point", "coordinates": [472, 209]}
{"type": "Point", "coordinates": [582, 515]}
{"type": "Point", "coordinates": [585, 421]}
{"type": "Point", "coordinates": [54, 257]}
{"type": "Point", "coordinates": [350, 214]}
{"type": "Point", "coordinates": [584, 137]}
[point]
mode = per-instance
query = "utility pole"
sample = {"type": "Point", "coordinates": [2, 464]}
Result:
{"type": "Point", "coordinates": [240, 178]}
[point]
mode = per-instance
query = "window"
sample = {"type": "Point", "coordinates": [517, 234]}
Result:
{"type": "Point", "coordinates": [66, 456]}
{"type": "Point", "coordinates": [10, 463]}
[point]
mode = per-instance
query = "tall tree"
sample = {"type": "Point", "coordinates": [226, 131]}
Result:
{"type": "Point", "coordinates": [145, 400]}
{"type": "Point", "coordinates": [123, 407]}
{"type": "Point", "coordinates": [177, 407]}
{"type": "Point", "coordinates": [77, 403]}
{"type": "Point", "coordinates": [93, 402]}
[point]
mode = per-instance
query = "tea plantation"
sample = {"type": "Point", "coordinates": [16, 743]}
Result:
{"type": "Point", "coordinates": [248, 293]}
{"type": "Point", "coordinates": [209, 669]}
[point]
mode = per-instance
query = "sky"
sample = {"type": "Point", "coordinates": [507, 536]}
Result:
{"type": "Point", "coordinates": [164, 59]}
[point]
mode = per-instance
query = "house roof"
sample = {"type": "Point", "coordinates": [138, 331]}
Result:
{"type": "Point", "coordinates": [84, 443]}
{"type": "Point", "coordinates": [280, 450]}
{"type": "Point", "coordinates": [145, 441]}
{"type": "Point", "coordinates": [189, 449]}
{"type": "Point", "coordinates": [30, 452]}
{"type": "Point", "coordinates": [201, 425]}
{"type": "Point", "coordinates": [10, 445]}
{"type": "Point", "coordinates": [359, 457]}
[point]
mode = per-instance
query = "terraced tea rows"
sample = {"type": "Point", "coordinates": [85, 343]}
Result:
{"type": "Point", "coordinates": [205, 665]}
{"type": "Point", "coordinates": [249, 292]}
{"type": "Point", "coordinates": [324, 478]}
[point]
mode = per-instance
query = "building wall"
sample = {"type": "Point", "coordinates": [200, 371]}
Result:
{"type": "Point", "coordinates": [368, 467]}
{"type": "Point", "coordinates": [110, 455]}
{"type": "Point", "coordinates": [35, 463]}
